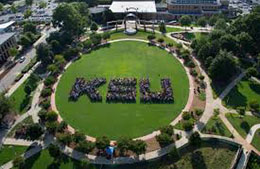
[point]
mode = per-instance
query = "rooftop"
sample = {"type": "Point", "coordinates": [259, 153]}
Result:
{"type": "Point", "coordinates": [133, 6]}
{"type": "Point", "coordinates": [193, 1]}
{"type": "Point", "coordinates": [5, 36]}
{"type": "Point", "coordinates": [6, 25]}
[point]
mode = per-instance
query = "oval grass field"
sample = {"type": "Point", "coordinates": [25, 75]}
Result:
{"type": "Point", "coordinates": [122, 59]}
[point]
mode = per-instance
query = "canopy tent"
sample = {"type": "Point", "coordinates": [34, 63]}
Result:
{"type": "Point", "coordinates": [110, 150]}
{"type": "Point", "coordinates": [133, 6]}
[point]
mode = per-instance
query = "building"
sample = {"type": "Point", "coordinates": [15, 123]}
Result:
{"type": "Point", "coordinates": [7, 41]}
{"type": "Point", "coordinates": [193, 7]}
{"type": "Point", "coordinates": [6, 27]}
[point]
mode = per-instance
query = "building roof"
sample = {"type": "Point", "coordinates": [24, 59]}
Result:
{"type": "Point", "coordinates": [6, 25]}
{"type": "Point", "coordinates": [133, 6]}
{"type": "Point", "coordinates": [95, 10]}
{"type": "Point", "coordinates": [188, 2]}
{"type": "Point", "coordinates": [5, 36]}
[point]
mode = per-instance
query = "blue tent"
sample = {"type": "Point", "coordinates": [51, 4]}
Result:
{"type": "Point", "coordinates": [110, 150]}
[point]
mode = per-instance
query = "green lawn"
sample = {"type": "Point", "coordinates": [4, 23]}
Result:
{"type": "Point", "coordinates": [242, 94]}
{"type": "Point", "coordinates": [217, 127]}
{"type": "Point", "coordinates": [21, 100]}
{"type": "Point", "coordinates": [191, 36]}
{"type": "Point", "coordinates": [123, 59]}
{"type": "Point", "coordinates": [242, 124]}
{"type": "Point", "coordinates": [139, 35]}
{"type": "Point", "coordinates": [7, 153]}
{"type": "Point", "coordinates": [256, 140]}
{"type": "Point", "coordinates": [171, 29]}
{"type": "Point", "coordinates": [206, 157]}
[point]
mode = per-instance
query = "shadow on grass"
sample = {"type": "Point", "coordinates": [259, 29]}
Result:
{"type": "Point", "coordinates": [197, 160]}
{"type": "Point", "coordinates": [220, 128]}
{"type": "Point", "coordinates": [245, 126]}
{"type": "Point", "coordinates": [235, 99]}
{"type": "Point", "coordinates": [25, 103]}
{"type": "Point", "coordinates": [30, 161]}
{"type": "Point", "coordinates": [255, 87]}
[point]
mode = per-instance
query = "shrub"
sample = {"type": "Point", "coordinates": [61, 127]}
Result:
{"type": "Point", "coordinates": [42, 115]}
{"type": "Point", "coordinates": [85, 146]}
{"type": "Point", "coordinates": [193, 73]}
{"type": "Point", "coordinates": [124, 144]}
{"type": "Point", "coordinates": [138, 146]}
{"type": "Point", "coordinates": [167, 129]}
{"type": "Point", "coordinates": [201, 77]}
{"type": "Point", "coordinates": [150, 37]}
{"type": "Point", "coordinates": [87, 44]}
{"type": "Point", "coordinates": [34, 131]}
{"type": "Point", "coordinates": [62, 126]}
{"type": "Point", "coordinates": [241, 110]}
{"type": "Point", "coordinates": [198, 112]}
{"type": "Point", "coordinates": [64, 138]}
{"type": "Point", "coordinates": [51, 116]}
{"type": "Point", "coordinates": [46, 92]}
{"type": "Point", "coordinates": [187, 125]}
{"type": "Point", "coordinates": [251, 72]}
{"type": "Point", "coordinates": [195, 139]}
{"type": "Point", "coordinates": [254, 105]}
{"type": "Point", "coordinates": [46, 104]}
{"type": "Point", "coordinates": [49, 81]}
{"type": "Point", "coordinates": [78, 137]}
{"type": "Point", "coordinates": [216, 112]}
{"type": "Point", "coordinates": [19, 162]}
{"type": "Point", "coordinates": [164, 139]}
{"type": "Point", "coordinates": [51, 126]}
{"type": "Point", "coordinates": [95, 39]}
{"type": "Point", "coordinates": [160, 40]}
{"type": "Point", "coordinates": [173, 154]}
{"type": "Point", "coordinates": [186, 115]}
{"type": "Point", "coordinates": [102, 142]}
{"type": "Point", "coordinates": [54, 151]}
{"type": "Point", "coordinates": [106, 35]}
{"type": "Point", "coordinates": [190, 64]}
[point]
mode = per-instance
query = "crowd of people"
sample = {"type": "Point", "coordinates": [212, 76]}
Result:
{"type": "Point", "coordinates": [122, 90]}
{"type": "Point", "coordinates": [165, 96]}
{"type": "Point", "coordinates": [81, 87]}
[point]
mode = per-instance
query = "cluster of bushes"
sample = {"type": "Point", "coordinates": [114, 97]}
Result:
{"type": "Point", "coordinates": [165, 138]}
{"type": "Point", "coordinates": [29, 34]}
{"type": "Point", "coordinates": [95, 39]}
{"type": "Point", "coordinates": [136, 146]}
{"type": "Point", "coordinates": [29, 132]}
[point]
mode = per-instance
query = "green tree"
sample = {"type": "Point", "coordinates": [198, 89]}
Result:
{"type": "Point", "coordinates": [221, 24]}
{"type": "Point", "coordinates": [64, 138]}
{"type": "Point", "coordinates": [51, 116]}
{"type": "Point", "coordinates": [245, 42]}
{"type": "Point", "coordinates": [202, 21]}
{"type": "Point", "coordinates": [34, 131]}
{"type": "Point", "coordinates": [13, 52]}
{"type": "Point", "coordinates": [254, 105]}
{"type": "Point", "coordinates": [42, 4]}
{"type": "Point", "coordinates": [102, 142]}
{"type": "Point", "coordinates": [195, 139]}
{"type": "Point", "coordinates": [29, 2]}
{"type": "Point", "coordinates": [251, 72]}
{"type": "Point", "coordinates": [27, 13]}
{"type": "Point", "coordinates": [29, 27]}
{"type": "Point", "coordinates": [164, 139]}
{"type": "Point", "coordinates": [167, 129]}
{"type": "Point", "coordinates": [186, 115]}
{"type": "Point", "coordinates": [1, 7]}
{"type": "Point", "coordinates": [223, 67]}
{"type": "Point", "coordinates": [44, 54]}
{"type": "Point", "coordinates": [162, 27]}
{"type": "Point", "coordinates": [187, 125]}
{"type": "Point", "coordinates": [94, 27]}
{"type": "Point", "coordinates": [25, 41]}
{"type": "Point", "coordinates": [54, 151]}
{"type": "Point", "coordinates": [78, 137]}
{"type": "Point", "coordinates": [185, 20]}
{"type": "Point", "coordinates": [138, 146]}
{"type": "Point", "coordinates": [173, 154]}
{"type": "Point", "coordinates": [106, 36]}
{"type": "Point", "coordinates": [13, 8]}
{"type": "Point", "coordinates": [124, 145]}
{"type": "Point", "coordinates": [85, 146]}
{"type": "Point", "coordinates": [6, 106]}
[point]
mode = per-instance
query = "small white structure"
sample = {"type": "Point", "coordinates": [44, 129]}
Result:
{"type": "Point", "coordinates": [137, 6]}
{"type": "Point", "coordinates": [5, 26]}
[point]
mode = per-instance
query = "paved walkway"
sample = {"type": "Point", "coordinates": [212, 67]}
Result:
{"type": "Point", "coordinates": [251, 133]}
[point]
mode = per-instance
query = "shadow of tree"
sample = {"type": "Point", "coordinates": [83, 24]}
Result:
{"type": "Point", "coordinates": [220, 128]}
{"type": "Point", "coordinates": [235, 99]}
{"type": "Point", "coordinates": [255, 87]}
{"type": "Point", "coordinates": [245, 126]}
{"type": "Point", "coordinates": [24, 103]}
{"type": "Point", "coordinates": [197, 160]}
{"type": "Point", "coordinates": [30, 161]}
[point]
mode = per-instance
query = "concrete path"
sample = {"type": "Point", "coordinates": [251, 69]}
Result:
{"type": "Point", "coordinates": [251, 133]}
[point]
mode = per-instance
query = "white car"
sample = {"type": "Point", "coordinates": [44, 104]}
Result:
{"type": "Point", "coordinates": [21, 60]}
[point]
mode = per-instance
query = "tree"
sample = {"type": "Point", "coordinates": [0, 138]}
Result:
{"type": "Point", "coordinates": [87, 44]}
{"type": "Point", "coordinates": [19, 162]}
{"type": "Point", "coordinates": [162, 27]}
{"type": "Point", "coordinates": [228, 42]}
{"type": "Point", "coordinates": [44, 54]}
{"type": "Point", "coordinates": [51, 126]}
{"type": "Point", "coordinates": [13, 52]}
{"type": "Point", "coordinates": [54, 151]}
{"type": "Point", "coordinates": [64, 138]}
{"type": "Point", "coordinates": [94, 27]}
{"type": "Point", "coordinates": [185, 20]}
{"type": "Point", "coordinates": [186, 115]}
{"type": "Point", "coordinates": [85, 146]}
{"type": "Point", "coordinates": [173, 154]}
{"type": "Point", "coordinates": [73, 16]}
{"type": "Point", "coordinates": [6, 106]}
{"type": "Point", "coordinates": [195, 139]}
{"type": "Point", "coordinates": [50, 80]}
{"type": "Point", "coordinates": [51, 116]}
{"type": "Point", "coordinates": [106, 35]}
{"type": "Point", "coordinates": [213, 19]}
{"type": "Point", "coordinates": [138, 146]}
{"type": "Point", "coordinates": [223, 67]}
{"type": "Point", "coordinates": [102, 142]}
{"type": "Point", "coordinates": [95, 39]}
{"type": "Point", "coordinates": [62, 126]}
{"type": "Point", "coordinates": [124, 144]}
{"type": "Point", "coordinates": [29, 2]}
{"type": "Point", "coordinates": [78, 137]}
{"type": "Point", "coordinates": [167, 129]}
{"type": "Point", "coordinates": [241, 111]}
{"type": "Point", "coordinates": [164, 139]}
{"type": "Point", "coordinates": [1, 7]}
{"type": "Point", "coordinates": [27, 13]}
{"type": "Point", "coordinates": [55, 46]}
{"type": "Point", "coordinates": [221, 24]}
{"type": "Point", "coordinates": [245, 42]}
{"type": "Point", "coordinates": [25, 41]}
{"type": "Point", "coordinates": [151, 37]}
{"type": "Point", "coordinates": [160, 40]}
{"type": "Point", "coordinates": [202, 21]}
{"type": "Point", "coordinates": [251, 72]}
{"type": "Point", "coordinates": [13, 8]}
{"type": "Point", "coordinates": [29, 27]}
{"type": "Point", "coordinates": [254, 105]}
{"type": "Point", "coordinates": [34, 131]}
{"type": "Point", "coordinates": [187, 125]}
{"type": "Point", "coordinates": [42, 4]}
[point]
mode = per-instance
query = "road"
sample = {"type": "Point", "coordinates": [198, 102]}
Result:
{"type": "Point", "coordinates": [8, 80]}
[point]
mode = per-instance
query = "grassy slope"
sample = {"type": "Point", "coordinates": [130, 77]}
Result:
{"type": "Point", "coordinates": [242, 124]}
{"type": "Point", "coordinates": [256, 140]}
{"type": "Point", "coordinates": [21, 100]}
{"type": "Point", "coordinates": [220, 127]}
{"type": "Point", "coordinates": [202, 158]}
{"type": "Point", "coordinates": [123, 59]}
{"type": "Point", "coordinates": [7, 153]}
{"type": "Point", "coordinates": [242, 94]}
